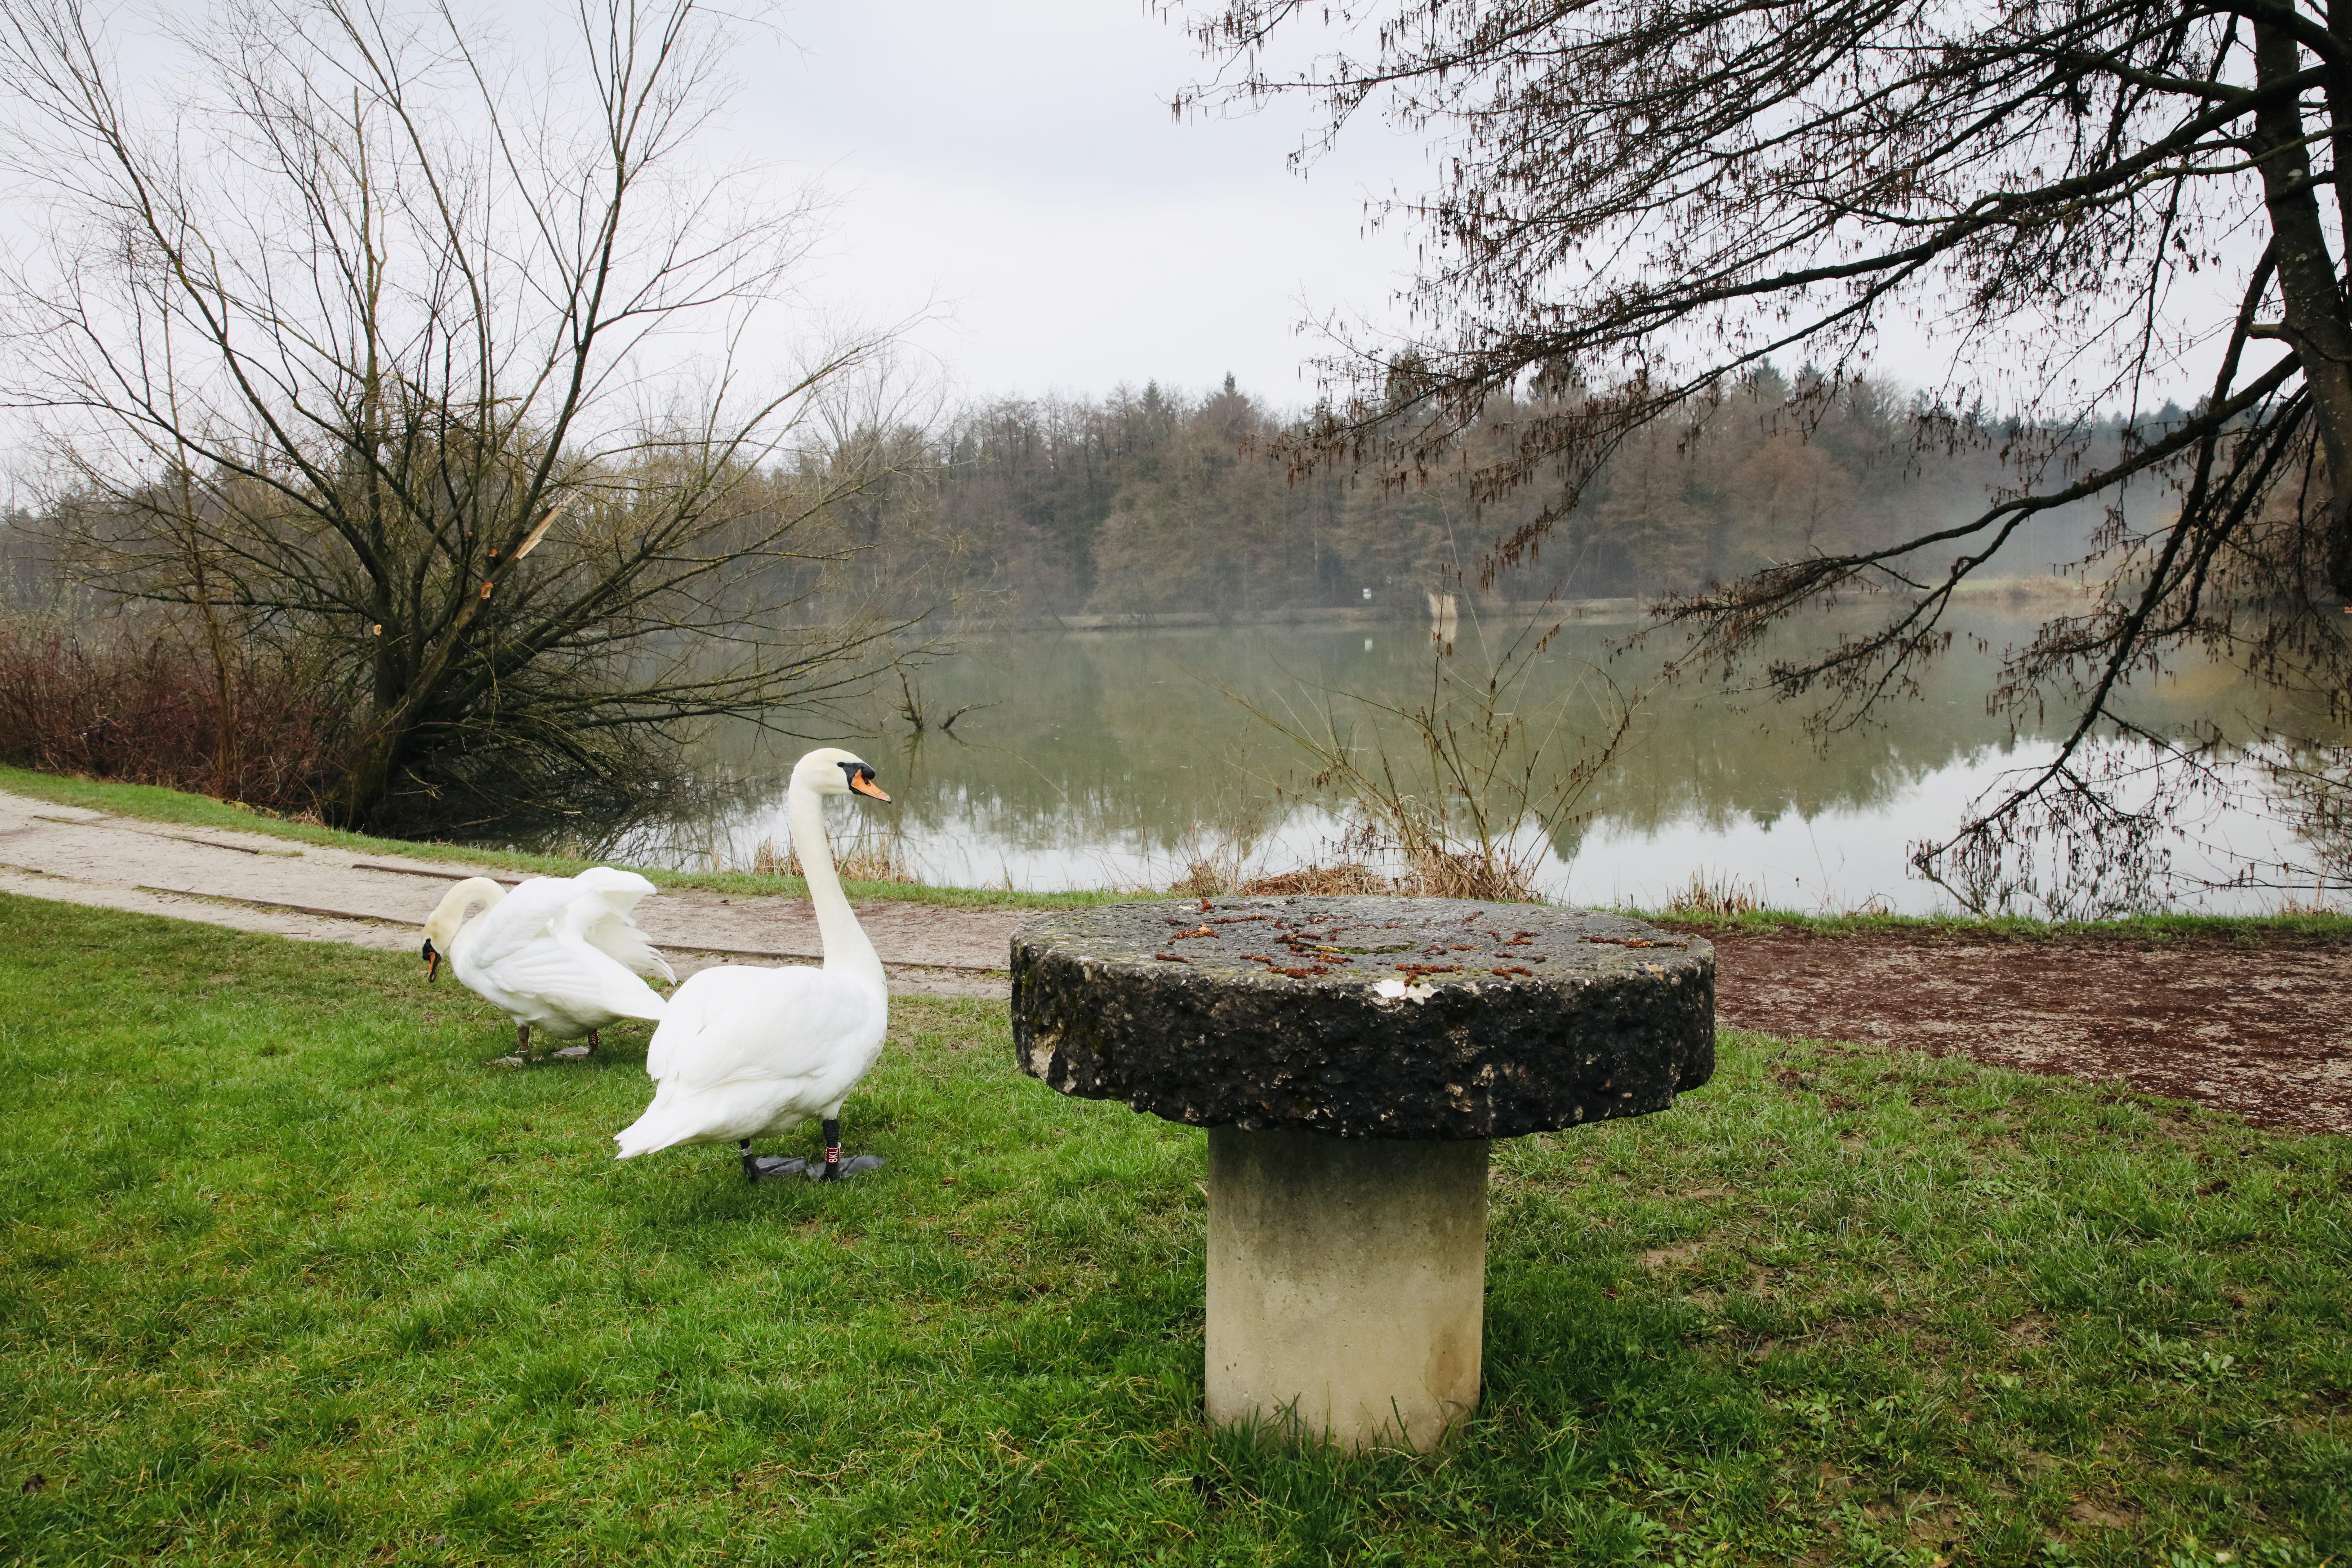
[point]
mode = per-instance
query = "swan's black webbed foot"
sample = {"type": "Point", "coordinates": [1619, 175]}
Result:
{"type": "Point", "coordinates": [768, 1167]}
{"type": "Point", "coordinates": [574, 1053]}
{"type": "Point", "coordinates": [835, 1168]}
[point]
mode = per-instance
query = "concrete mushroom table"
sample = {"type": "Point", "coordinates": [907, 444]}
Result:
{"type": "Point", "coordinates": [1351, 1058]}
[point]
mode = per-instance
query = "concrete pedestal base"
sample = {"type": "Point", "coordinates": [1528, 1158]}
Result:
{"type": "Point", "coordinates": [1347, 1285]}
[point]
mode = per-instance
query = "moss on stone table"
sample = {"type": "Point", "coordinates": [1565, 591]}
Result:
{"type": "Point", "coordinates": [1374, 1017]}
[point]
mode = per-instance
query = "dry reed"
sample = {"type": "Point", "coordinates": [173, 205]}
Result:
{"type": "Point", "coordinates": [862, 860]}
{"type": "Point", "coordinates": [1718, 900]}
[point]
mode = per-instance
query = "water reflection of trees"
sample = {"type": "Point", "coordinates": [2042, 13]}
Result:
{"type": "Point", "coordinates": [1128, 738]}
{"type": "Point", "coordinates": [2314, 786]}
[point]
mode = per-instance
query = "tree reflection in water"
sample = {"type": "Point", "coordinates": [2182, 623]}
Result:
{"type": "Point", "coordinates": [1113, 758]}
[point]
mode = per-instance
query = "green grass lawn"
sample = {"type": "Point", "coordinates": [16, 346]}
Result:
{"type": "Point", "coordinates": [289, 1273]}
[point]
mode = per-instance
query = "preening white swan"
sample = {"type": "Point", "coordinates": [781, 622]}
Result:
{"type": "Point", "coordinates": [747, 1053]}
{"type": "Point", "coordinates": [559, 953]}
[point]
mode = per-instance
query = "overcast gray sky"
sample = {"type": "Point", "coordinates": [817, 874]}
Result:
{"type": "Point", "coordinates": [1018, 165]}
{"type": "Point", "coordinates": [1012, 176]}
{"type": "Point", "coordinates": [1019, 168]}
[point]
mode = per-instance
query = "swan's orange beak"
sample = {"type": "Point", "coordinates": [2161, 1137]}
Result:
{"type": "Point", "coordinates": [862, 780]}
{"type": "Point", "coordinates": [432, 963]}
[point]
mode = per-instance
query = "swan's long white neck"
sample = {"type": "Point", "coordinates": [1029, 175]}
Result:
{"type": "Point", "coordinates": [845, 946]}
{"type": "Point", "coordinates": [476, 896]}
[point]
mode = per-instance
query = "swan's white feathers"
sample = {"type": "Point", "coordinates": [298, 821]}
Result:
{"type": "Point", "coordinates": [561, 953]}
{"type": "Point", "coordinates": [621, 889]}
{"type": "Point", "coordinates": [744, 1052]}
{"type": "Point", "coordinates": [612, 936]}
{"type": "Point", "coordinates": [586, 981]}
{"type": "Point", "coordinates": [593, 907]}
{"type": "Point", "coordinates": [603, 919]}
{"type": "Point", "coordinates": [733, 1021]}
{"type": "Point", "coordinates": [522, 917]}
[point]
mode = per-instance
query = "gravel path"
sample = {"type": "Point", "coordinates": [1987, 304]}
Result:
{"type": "Point", "coordinates": [254, 882]}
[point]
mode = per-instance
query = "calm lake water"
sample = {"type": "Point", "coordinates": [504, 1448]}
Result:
{"type": "Point", "coordinates": [1086, 759]}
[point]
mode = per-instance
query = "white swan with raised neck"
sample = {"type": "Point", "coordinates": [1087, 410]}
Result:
{"type": "Point", "coordinates": [748, 1052]}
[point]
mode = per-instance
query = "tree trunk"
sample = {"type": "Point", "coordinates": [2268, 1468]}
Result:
{"type": "Point", "coordinates": [2316, 323]}
{"type": "Point", "coordinates": [226, 744]}
{"type": "Point", "coordinates": [358, 799]}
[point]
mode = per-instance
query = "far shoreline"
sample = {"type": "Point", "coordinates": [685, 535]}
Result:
{"type": "Point", "coordinates": [2019, 595]}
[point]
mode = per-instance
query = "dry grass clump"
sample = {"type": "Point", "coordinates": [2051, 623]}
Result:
{"type": "Point", "coordinates": [874, 862]}
{"type": "Point", "coordinates": [1490, 873]}
{"type": "Point", "coordinates": [1203, 878]}
{"type": "Point", "coordinates": [863, 860]}
{"type": "Point", "coordinates": [1718, 899]}
{"type": "Point", "coordinates": [1344, 879]}
{"type": "Point", "coordinates": [1442, 875]}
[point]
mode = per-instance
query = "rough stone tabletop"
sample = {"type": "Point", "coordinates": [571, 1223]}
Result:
{"type": "Point", "coordinates": [1370, 1017]}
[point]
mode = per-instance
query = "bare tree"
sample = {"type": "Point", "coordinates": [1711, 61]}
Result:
{"type": "Point", "coordinates": [2084, 201]}
{"type": "Point", "coordinates": [376, 346]}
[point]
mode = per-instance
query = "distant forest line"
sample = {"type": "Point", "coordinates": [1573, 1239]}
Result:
{"type": "Point", "coordinates": [1159, 501]}
{"type": "Point", "coordinates": [1013, 512]}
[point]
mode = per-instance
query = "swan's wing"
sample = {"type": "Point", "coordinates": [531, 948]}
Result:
{"type": "Point", "coordinates": [603, 915]}
{"type": "Point", "coordinates": [564, 969]}
{"type": "Point", "coordinates": [734, 1021]}
{"type": "Point", "coordinates": [619, 890]}
{"type": "Point", "coordinates": [619, 938]}
{"type": "Point", "coordinates": [523, 916]}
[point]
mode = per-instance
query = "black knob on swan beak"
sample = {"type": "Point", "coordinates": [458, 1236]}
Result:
{"type": "Point", "coordinates": [861, 781]}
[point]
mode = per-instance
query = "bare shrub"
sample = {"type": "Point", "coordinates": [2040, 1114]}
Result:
{"type": "Point", "coordinates": [374, 345]}
{"type": "Point", "coordinates": [1487, 779]}
{"type": "Point", "coordinates": [148, 708]}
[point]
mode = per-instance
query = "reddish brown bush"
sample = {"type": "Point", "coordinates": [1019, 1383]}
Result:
{"type": "Point", "coordinates": [147, 709]}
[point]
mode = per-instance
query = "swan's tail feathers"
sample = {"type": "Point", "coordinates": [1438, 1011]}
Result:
{"type": "Point", "coordinates": [659, 1128]}
{"type": "Point", "coordinates": [615, 938]}
{"type": "Point", "coordinates": [630, 997]}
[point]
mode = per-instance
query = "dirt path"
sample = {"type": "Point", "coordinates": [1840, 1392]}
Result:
{"type": "Point", "coordinates": [252, 882]}
{"type": "Point", "coordinates": [2263, 1031]}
